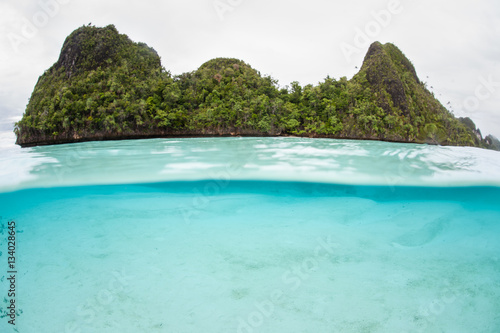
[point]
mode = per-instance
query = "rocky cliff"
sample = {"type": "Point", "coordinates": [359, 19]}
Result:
{"type": "Point", "coordinates": [105, 86]}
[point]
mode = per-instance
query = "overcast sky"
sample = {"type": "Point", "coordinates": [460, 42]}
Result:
{"type": "Point", "coordinates": [454, 45]}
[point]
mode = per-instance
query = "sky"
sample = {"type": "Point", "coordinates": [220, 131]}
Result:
{"type": "Point", "coordinates": [454, 45]}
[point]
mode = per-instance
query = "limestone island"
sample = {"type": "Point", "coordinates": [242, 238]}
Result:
{"type": "Point", "coordinates": [106, 87]}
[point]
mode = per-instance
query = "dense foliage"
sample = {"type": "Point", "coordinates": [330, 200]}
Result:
{"type": "Point", "coordinates": [99, 85]}
{"type": "Point", "coordinates": [104, 86]}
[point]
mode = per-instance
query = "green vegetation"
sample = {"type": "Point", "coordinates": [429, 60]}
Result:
{"type": "Point", "coordinates": [98, 87]}
{"type": "Point", "coordinates": [104, 86]}
{"type": "Point", "coordinates": [492, 142]}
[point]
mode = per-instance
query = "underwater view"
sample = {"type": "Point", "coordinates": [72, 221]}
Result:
{"type": "Point", "coordinates": [250, 235]}
{"type": "Point", "coordinates": [231, 166]}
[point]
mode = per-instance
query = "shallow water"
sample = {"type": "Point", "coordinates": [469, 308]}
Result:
{"type": "Point", "coordinates": [275, 159]}
{"type": "Point", "coordinates": [192, 236]}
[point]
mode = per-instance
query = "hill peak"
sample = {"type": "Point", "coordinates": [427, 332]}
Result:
{"type": "Point", "coordinates": [389, 52]}
{"type": "Point", "coordinates": [104, 86]}
{"type": "Point", "coordinates": [90, 47]}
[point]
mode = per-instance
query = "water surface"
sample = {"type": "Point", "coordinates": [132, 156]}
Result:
{"type": "Point", "coordinates": [253, 235]}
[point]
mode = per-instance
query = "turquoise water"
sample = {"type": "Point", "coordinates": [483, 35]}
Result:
{"type": "Point", "coordinates": [252, 235]}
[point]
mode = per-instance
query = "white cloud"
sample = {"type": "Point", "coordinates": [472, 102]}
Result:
{"type": "Point", "coordinates": [453, 43]}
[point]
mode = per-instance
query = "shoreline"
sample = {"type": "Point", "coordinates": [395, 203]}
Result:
{"type": "Point", "coordinates": [68, 140]}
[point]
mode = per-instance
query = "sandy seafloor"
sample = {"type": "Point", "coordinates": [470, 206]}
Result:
{"type": "Point", "coordinates": [226, 255]}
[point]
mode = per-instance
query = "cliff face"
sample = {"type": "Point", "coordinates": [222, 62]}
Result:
{"type": "Point", "coordinates": [383, 75]}
{"type": "Point", "coordinates": [394, 86]}
{"type": "Point", "coordinates": [88, 48]}
{"type": "Point", "coordinates": [104, 87]}
{"type": "Point", "coordinates": [99, 74]}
